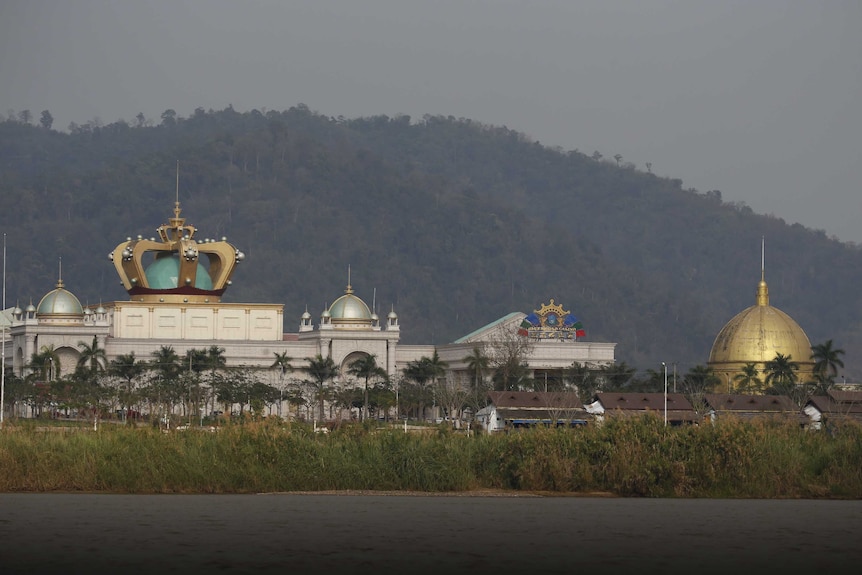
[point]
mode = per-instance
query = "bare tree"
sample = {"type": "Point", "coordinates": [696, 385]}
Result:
{"type": "Point", "coordinates": [453, 393]}
{"type": "Point", "coordinates": [561, 406]}
{"type": "Point", "coordinates": [508, 353]}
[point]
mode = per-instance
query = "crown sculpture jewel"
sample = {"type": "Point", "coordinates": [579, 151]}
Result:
{"type": "Point", "coordinates": [177, 268]}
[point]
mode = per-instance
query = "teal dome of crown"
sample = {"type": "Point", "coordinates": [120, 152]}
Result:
{"type": "Point", "coordinates": [164, 272]}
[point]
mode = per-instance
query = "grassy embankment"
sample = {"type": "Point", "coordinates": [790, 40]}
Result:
{"type": "Point", "coordinates": [625, 458]}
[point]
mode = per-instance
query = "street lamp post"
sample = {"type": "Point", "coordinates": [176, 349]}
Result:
{"type": "Point", "coordinates": [3, 366]}
{"type": "Point", "coordinates": [281, 389]}
{"type": "Point", "coordinates": [664, 365]}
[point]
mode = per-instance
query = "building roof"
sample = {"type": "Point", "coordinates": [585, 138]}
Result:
{"type": "Point", "coordinates": [535, 415]}
{"type": "Point", "coordinates": [836, 402]}
{"type": "Point", "coordinates": [642, 401]}
{"type": "Point", "coordinates": [535, 400]}
{"type": "Point", "coordinates": [853, 398]}
{"type": "Point", "coordinates": [506, 318]}
{"type": "Point", "coordinates": [755, 406]}
{"type": "Point", "coordinates": [751, 403]}
{"type": "Point", "coordinates": [617, 404]}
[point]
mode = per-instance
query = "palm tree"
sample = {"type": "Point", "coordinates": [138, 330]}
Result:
{"type": "Point", "coordinates": [322, 370]}
{"type": "Point", "coordinates": [195, 360]}
{"type": "Point", "coordinates": [282, 362]}
{"type": "Point", "coordinates": [215, 361]}
{"type": "Point", "coordinates": [781, 373]}
{"type": "Point", "coordinates": [827, 360]}
{"type": "Point", "coordinates": [437, 369]}
{"type": "Point", "coordinates": [417, 372]}
{"type": "Point", "coordinates": [366, 367]}
{"type": "Point", "coordinates": [128, 368]}
{"type": "Point", "coordinates": [166, 364]}
{"type": "Point", "coordinates": [46, 363]}
{"type": "Point", "coordinates": [747, 379]}
{"type": "Point", "coordinates": [478, 364]}
{"type": "Point", "coordinates": [215, 358]}
{"type": "Point", "coordinates": [92, 357]}
{"type": "Point", "coordinates": [436, 366]}
{"type": "Point", "coordinates": [45, 366]}
{"type": "Point", "coordinates": [423, 370]}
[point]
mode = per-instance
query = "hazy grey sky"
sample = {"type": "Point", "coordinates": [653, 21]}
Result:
{"type": "Point", "coordinates": [759, 99]}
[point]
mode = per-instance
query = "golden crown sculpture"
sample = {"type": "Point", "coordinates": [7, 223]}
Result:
{"type": "Point", "coordinates": [177, 268]}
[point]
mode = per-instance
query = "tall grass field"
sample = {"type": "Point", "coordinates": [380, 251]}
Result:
{"type": "Point", "coordinates": [637, 457]}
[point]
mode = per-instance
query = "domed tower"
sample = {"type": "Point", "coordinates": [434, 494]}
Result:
{"type": "Point", "coordinates": [60, 307]}
{"type": "Point", "coordinates": [756, 335]}
{"type": "Point", "coordinates": [350, 312]}
{"type": "Point", "coordinates": [349, 330]}
{"type": "Point", "coordinates": [177, 268]}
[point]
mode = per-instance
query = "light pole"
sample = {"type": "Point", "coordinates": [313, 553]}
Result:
{"type": "Point", "coordinates": [3, 366]}
{"type": "Point", "coordinates": [397, 406]}
{"type": "Point", "coordinates": [664, 367]}
{"type": "Point", "coordinates": [282, 369]}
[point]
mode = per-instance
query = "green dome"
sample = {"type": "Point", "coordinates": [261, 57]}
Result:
{"type": "Point", "coordinates": [60, 302]}
{"type": "Point", "coordinates": [349, 307]}
{"type": "Point", "coordinates": [164, 273]}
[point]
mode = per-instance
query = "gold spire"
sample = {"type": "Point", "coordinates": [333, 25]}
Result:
{"type": "Point", "coordinates": [60, 283]}
{"type": "Point", "coordinates": [762, 289]}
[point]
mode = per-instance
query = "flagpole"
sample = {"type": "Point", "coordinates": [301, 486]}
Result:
{"type": "Point", "coordinates": [3, 365]}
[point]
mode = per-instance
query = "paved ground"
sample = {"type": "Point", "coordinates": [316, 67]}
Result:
{"type": "Point", "coordinates": [415, 534]}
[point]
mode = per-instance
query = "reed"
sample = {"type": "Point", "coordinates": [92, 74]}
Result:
{"type": "Point", "coordinates": [635, 457]}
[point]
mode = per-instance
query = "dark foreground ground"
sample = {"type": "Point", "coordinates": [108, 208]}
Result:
{"type": "Point", "coordinates": [416, 534]}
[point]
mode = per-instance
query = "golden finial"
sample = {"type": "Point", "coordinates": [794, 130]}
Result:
{"type": "Point", "coordinates": [762, 289]}
{"type": "Point", "coordinates": [60, 274]}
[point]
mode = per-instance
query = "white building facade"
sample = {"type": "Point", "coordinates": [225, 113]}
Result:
{"type": "Point", "coordinates": [175, 300]}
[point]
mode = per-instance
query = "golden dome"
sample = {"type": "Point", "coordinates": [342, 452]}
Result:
{"type": "Point", "coordinates": [756, 335]}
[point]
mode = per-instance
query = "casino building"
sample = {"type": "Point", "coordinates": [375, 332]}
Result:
{"type": "Point", "coordinates": [176, 282]}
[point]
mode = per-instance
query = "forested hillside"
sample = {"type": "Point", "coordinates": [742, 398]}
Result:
{"type": "Point", "coordinates": [451, 222]}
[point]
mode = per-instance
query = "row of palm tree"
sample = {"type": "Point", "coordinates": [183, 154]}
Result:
{"type": "Point", "coordinates": [781, 374]}
{"type": "Point", "coordinates": [171, 378]}
{"type": "Point", "coordinates": [422, 378]}
{"type": "Point", "coordinates": [163, 381]}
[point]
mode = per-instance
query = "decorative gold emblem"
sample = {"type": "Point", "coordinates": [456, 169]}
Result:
{"type": "Point", "coordinates": [551, 321]}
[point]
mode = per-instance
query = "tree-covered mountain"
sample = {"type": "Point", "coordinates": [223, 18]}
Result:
{"type": "Point", "coordinates": [451, 222]}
